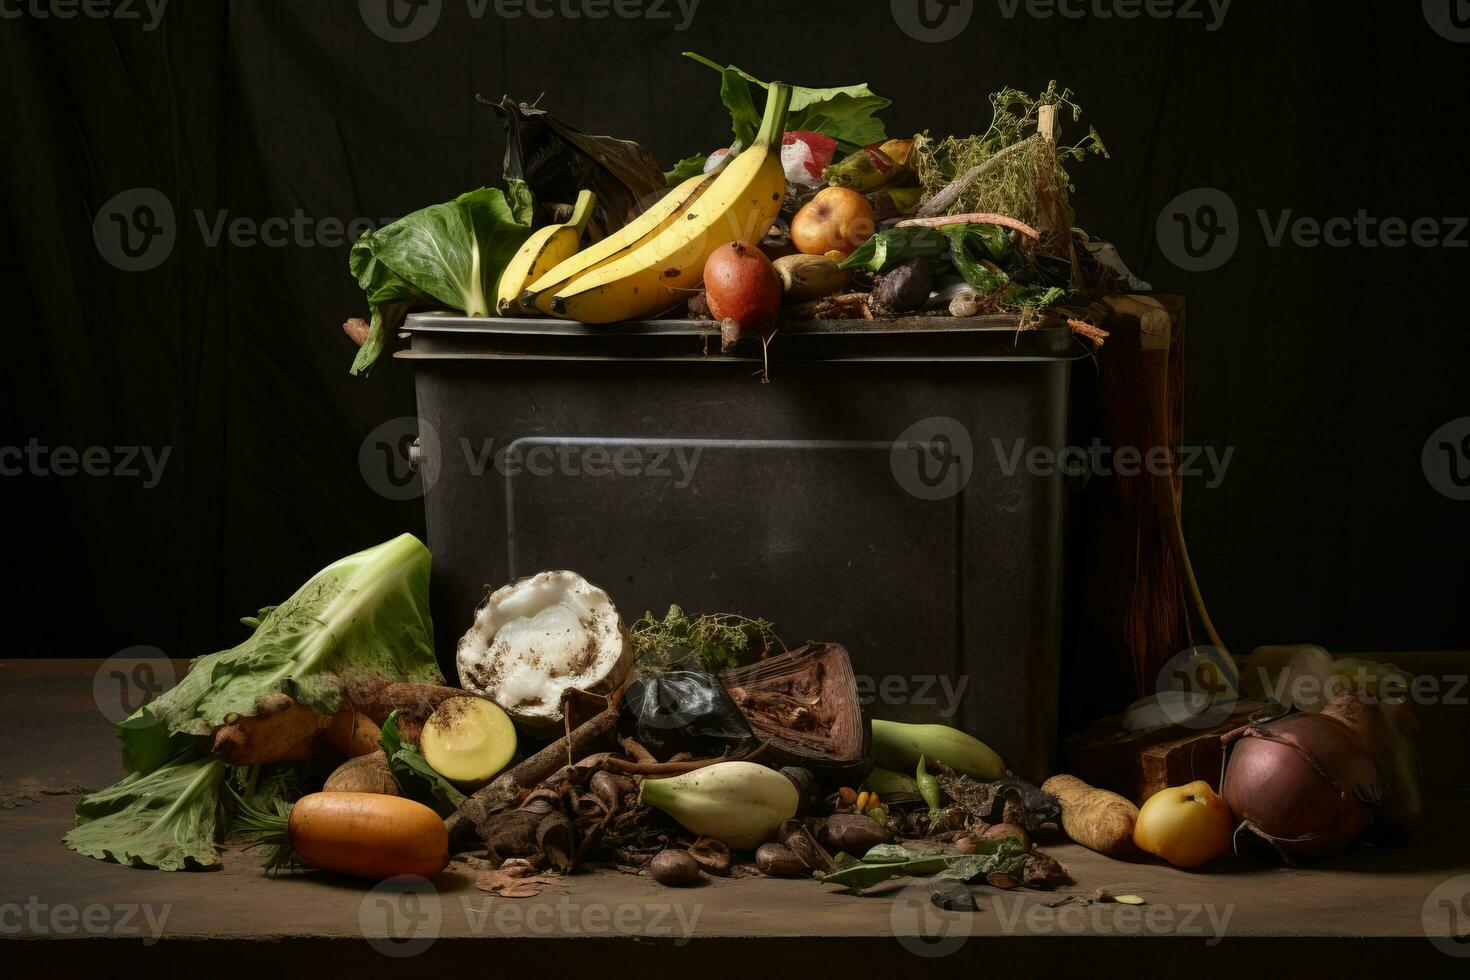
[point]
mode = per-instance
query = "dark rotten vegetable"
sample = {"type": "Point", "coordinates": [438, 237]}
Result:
{"type": "Point", "coordinates": [1303, 784]}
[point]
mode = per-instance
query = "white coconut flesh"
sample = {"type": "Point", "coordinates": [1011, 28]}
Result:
{"type": "Point", "coordinates": [534, 639]}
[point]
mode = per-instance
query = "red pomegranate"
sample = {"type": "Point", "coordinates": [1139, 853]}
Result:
{"type": "Point", "coordinates": [741, 285]}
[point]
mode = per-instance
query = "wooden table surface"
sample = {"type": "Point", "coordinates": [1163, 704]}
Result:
{"type": "Point", "coordinates": [1367, 908]}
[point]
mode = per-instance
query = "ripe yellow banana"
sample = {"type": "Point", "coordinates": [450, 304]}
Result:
{"type": "Point", "coordinates": [739, 206]}
{"type": "Point", "coordinates": [547, 247]}
{"type": "Point", "coordinates": [659, 216]}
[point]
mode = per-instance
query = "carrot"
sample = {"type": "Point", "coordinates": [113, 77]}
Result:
{"type": "Point", "coordinates": [1094, 818]}
{"type": "Point", "coordinates": [362, 834]}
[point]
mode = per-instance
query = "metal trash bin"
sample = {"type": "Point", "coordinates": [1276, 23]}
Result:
{"type": "Point", "coordinates": [875, 494]}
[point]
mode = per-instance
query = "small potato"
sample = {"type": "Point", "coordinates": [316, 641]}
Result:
{"type": "Point", "coordinates": [363, 774]}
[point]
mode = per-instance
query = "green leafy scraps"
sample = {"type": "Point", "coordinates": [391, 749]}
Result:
{"type": "Point", "coordinates": [894, 860]}
{"type": "Point", "coordinates": [169, 818]}
{"type": "Point", "coordinates": [363, 618]}
{"type": "Point", "coordinates": [447, 255]}
{"type": "Point", "coordinates": [981, 253]}
{"type": "Point", "coordinates": [846, 113]}
{"type": "Point", "coordinates": [418, 780]}
{"type": "Point", "coordinates": [686, 168]}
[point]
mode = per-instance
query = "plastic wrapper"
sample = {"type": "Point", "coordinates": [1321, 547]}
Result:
{"type": "Point", "coordinates": [685, 711]}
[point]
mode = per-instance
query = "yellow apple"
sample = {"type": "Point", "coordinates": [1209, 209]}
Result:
{"type": "Point", "coordinates": [836, 219]}
{"type": "Point", "coordinates": [1185, 825]}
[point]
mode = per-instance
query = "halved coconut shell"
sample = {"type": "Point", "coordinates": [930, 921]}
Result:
{"type": "Point", "coordinates": [537, 638]}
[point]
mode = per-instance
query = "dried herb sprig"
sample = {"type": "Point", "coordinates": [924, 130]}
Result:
{"type": "Point", "coordinates": [1010, 167]}
{"type": "Point", "coordinates": [709, 641]}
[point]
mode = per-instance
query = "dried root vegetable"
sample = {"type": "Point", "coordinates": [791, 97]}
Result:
{"type": "Point", "coordinates": [380, 699]}
{"type": "Point", "coordinates": [596, 734]}
{"type": "Point", "coordinates": [1095, 818]}
{"type": "Point", "coordinates": [281, 729]}
{"type": "Point", "coordinates": [539, 637]}
{"type": "Point", "coordinates": [351, 733]}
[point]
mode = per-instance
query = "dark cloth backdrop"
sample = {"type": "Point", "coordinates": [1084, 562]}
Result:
{"type": "Point", "coordinates": [1326, 368]}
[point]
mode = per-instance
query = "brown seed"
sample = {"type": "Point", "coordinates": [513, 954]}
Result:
{"type": "Point", "coordinates": [852, 832]}
{"type": "Point", "coordinates": [674, 868]}
{"type": "Point", "coordinates": [779, 861]}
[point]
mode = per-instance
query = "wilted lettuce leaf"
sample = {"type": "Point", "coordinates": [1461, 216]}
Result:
{"type": "Point", "coordinates": [390, 299]}
{"type": "Point", "coordinates": [845, 113]}
{"type": "Point", "coordinates": [169, 818]}
{"type": "Point", "coordinates": [418, 780]}
{"type": "Point", "coordinates": [887, 861]}
{"type": "Point", "coordinates": [361, 619]}
{"type": "Point", "coordinates": [964, 247]}
{"type": "Point", "coordinates": [685, 168]}
{"type": "Point", "coordinates": [894, 246]}
{"type": "Point", "coordinates": [447, 255]}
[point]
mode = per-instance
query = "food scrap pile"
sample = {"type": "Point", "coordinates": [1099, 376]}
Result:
{"type": "Point", "coordinates": [813, 212]}
{"type": "Point", "coordinates": [679, 748]}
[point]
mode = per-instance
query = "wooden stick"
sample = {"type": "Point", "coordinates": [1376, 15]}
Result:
{"type": "Point", "coordinates": [595, 734]}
